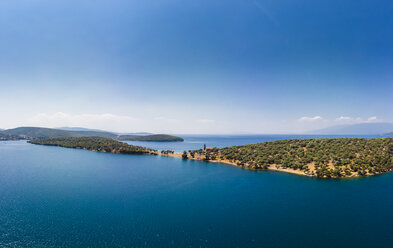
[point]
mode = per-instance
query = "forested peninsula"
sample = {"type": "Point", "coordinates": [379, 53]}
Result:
{"type": "Point", "coordinates": [97, 144]}
{"type": "Point", "coordinates": [322, 158]}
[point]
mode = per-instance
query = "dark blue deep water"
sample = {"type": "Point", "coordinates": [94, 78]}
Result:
{"type": "Point", "coordinates": [58, 197]}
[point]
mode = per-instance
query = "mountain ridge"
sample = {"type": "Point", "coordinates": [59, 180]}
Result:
{"type": "Point", "coordinates": [375, 128]}
{"type": "Point", "coordinates": [47, 133]}
{"type": "Point", "coordinates": [100, 130]}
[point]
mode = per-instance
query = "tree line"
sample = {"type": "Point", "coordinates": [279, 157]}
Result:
{"type": "Point", "coordinates": [98, 144]}
{"type": "Point", "coordinates": [325, 158]}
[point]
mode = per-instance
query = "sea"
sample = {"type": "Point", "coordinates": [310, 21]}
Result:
{"type": "Point", "coordinates": [60, 197]}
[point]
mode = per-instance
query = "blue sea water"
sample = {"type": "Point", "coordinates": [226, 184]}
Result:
{"type": "Point", "coordinates": [58, 197]}
{"type": "Point", "coordinates": [194, 142]}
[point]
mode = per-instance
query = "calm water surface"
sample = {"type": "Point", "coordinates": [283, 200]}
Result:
{"type": "Point", "coordinates": [193, 142]}
{"type": "Point", "coordinates": [58, 197]}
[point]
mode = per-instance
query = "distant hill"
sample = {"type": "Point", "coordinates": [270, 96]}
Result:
{"type": "Point", "coordinates": [81, 129]}
{"type": "Point", "coordinates": [46, 133]}
{"type": "Point", "coordinates": [98, 130]}
{"type": "Point", "coordinates": [9, 137]}
{"type": "Point", "coordinates": [37, 132]}
{"type": "Point", "coordinates": [389, 134]}
{"type": "Point", "coordinates": [378, 128]}
{"type": "Point", "coordinates": [153, 137]}
{"type": "Point", "coordinates": [136, 133]}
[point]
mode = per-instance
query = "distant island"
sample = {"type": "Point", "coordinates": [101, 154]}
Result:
{"type": "Point", "coordinates": [49, 133]}
{"type": "Point", "coordinates": [322, 158]}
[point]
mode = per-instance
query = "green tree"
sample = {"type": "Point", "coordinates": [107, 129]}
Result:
{"type": "Point", "coordinates": [184, 155]}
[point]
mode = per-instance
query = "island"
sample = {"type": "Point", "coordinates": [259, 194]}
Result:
{"type": "Point", "coordinates": [97, 144]}
{"type": "Point", "coordinates": [322, 158]}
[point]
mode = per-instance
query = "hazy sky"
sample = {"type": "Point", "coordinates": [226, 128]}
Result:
{"type": "Point", "coordinates": [187, 66]}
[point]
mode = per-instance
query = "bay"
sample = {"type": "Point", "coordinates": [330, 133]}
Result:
{"type": "Point", "coordinates": [59, 197]}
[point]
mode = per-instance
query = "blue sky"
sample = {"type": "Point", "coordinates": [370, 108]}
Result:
{"type": "Point", "coordinates": [223, 66]}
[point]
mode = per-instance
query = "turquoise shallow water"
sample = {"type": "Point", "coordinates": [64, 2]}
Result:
{"type": "Point", "coordinates": [58, 197]}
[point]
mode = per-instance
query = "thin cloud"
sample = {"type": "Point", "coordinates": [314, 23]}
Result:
{"type": "Point", "coordinates": [356, 120]}
{"type": "Point", "coordinates": [348, 119]}
{"type": "Point", "coordinates": [310, 119]}
{"type": "Point", "coordinates": [343, 118]}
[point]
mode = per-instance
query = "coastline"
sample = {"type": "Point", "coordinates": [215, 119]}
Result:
{"type": "Point", "coordinates": [215, 155]}
{"type": "Point", "coordinates": [272, 168]}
